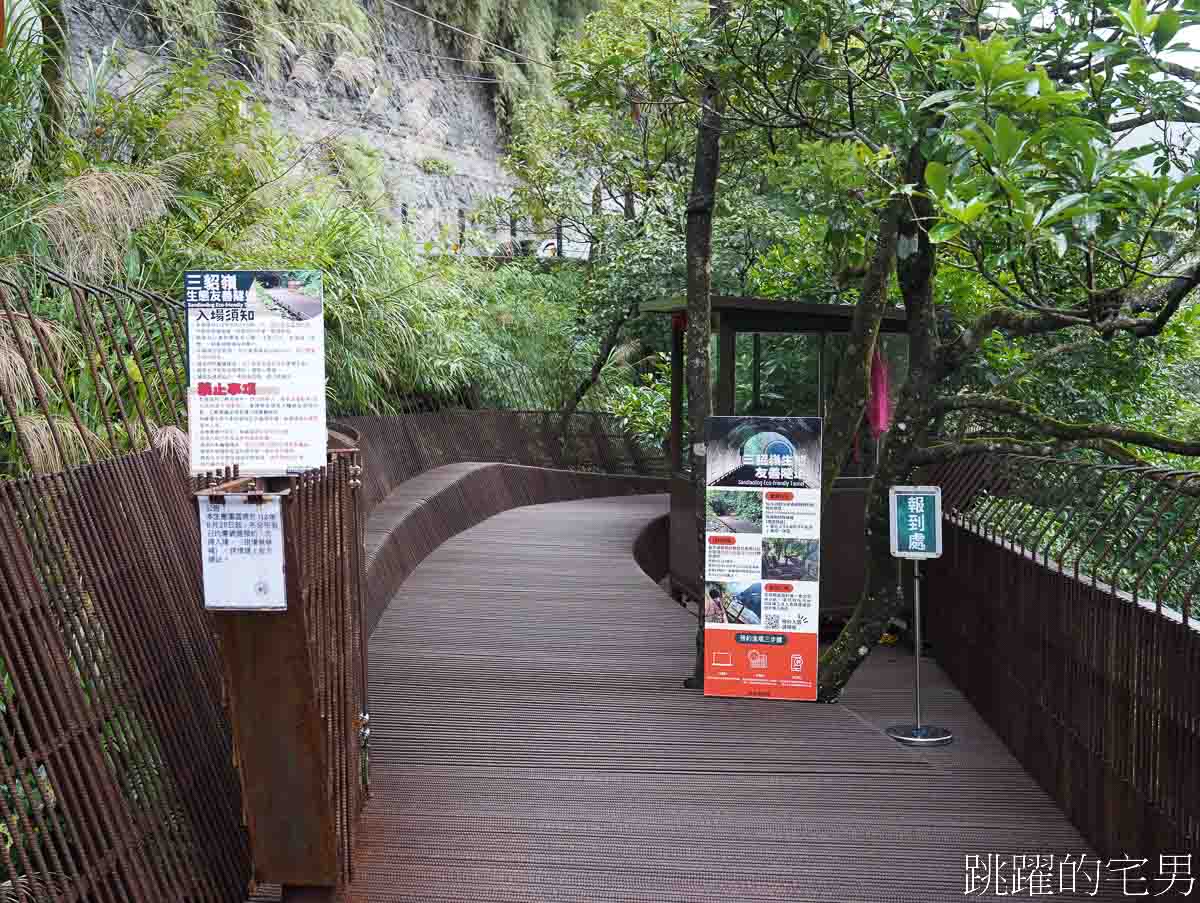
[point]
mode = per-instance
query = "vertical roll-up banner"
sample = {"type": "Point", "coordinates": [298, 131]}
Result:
{"type": "Point", "coordinates": [762, 556]}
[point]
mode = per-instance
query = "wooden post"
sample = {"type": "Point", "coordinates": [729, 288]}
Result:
{"type": "Point", "coordinates": [726, 367]}
{"type": "Point", "coordinates": [756, 392]}
{"type": "Point", "coordinates": [678, 324]}
{"type": "Point", "coordinates": [279, 735]}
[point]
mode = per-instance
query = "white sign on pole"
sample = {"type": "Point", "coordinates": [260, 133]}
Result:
{"type": "Point", "coordinates": [241, 547]}
{"type": "Point", "coordinates": [256, 371]}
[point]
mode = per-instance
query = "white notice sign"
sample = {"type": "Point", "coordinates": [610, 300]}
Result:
{"type": "Point", "coordinates": [256, 371]}
{"type": "Point", "coordinates": [241, 544]}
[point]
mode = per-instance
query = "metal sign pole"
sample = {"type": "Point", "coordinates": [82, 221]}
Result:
{"type": "Point", "coordinates": [917, 640]}
{"type": "Point", "coordinates": [918, 734]}
{"type": "Point", "coordinates": [916, 533]}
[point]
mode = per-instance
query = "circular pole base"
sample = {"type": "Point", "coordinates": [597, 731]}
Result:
{"type": "Point", "coordinates": [925, 735]}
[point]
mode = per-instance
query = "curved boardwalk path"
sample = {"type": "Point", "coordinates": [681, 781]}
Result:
{"type": "Point", "coordinates": [531, 741]}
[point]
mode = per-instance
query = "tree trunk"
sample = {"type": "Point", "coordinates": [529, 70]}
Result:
{"type": "Point", "coordinates": [847, 403]}
{"type": "Point", "coordinates": [698, 239]}
{"type": "Point", "coordinates": [917, 267]}
{"type": "Point", "coordinates": [606, 349]}
{"type": "Point", "coordinates": [597, 209]}
{"type": "Point", "coordinates": [614, 332]}
{"type": "Point", "coordinates": [881, 598]}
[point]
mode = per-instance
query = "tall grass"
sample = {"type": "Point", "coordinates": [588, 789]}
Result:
{"type": "Point", "coordinates": [20, 89]}
{"type": "Point", "coordinates": [188, 172]}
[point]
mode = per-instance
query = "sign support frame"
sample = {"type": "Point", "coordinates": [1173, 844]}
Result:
{"type": "Point", "coordinates": [917, 734]}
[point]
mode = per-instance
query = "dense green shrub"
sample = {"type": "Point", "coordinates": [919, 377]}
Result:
{"type": "Point", "coordinates": [644, 409]}
{"type": "Point", "coordinates": [188, 172]}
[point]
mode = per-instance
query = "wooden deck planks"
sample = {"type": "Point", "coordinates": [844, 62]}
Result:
{"type": "Point", "coordinates": [531, 741]}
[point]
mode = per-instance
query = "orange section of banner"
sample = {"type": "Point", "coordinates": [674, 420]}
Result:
{"type": "Point", "coordinates": [767, 664]}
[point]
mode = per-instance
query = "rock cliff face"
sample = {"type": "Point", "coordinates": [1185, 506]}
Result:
{"type": "Point", "coordinates": [429, 116]}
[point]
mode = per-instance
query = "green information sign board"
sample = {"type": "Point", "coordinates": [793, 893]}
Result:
{"type": "Point", "coordinates": [916, 521]}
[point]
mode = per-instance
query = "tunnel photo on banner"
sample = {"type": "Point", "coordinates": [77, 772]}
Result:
{"type": "Point", "coordinates": [762, 556]}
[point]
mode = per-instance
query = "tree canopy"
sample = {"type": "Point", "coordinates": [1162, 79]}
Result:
{"type": "Point", "coordinates": [1021, 178]}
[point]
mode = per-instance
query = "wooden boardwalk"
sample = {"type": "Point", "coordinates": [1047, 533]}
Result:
{"type": "Point", "coordinates": [531, 741]}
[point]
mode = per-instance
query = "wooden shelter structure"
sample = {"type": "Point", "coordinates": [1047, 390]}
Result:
{"type": "Point", "coordinates": [745, 330]}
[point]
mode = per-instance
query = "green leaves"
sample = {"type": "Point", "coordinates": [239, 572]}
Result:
{"type": "Point", "coordinates": [939, 97]}
{"type": "Point", "coordinates": [1184, 187]}
{"type": "Point", "coordinates": [1136, 20]}
{"type": "Point", "coordinates": [937, 177]}
{"type": "Point", "coordinates": [1166, 28]}
{"type": "Point", "coordinates": [1140, 24]}
{"type": "Point", "coordinates": [1008, 140]}
{"type": "Point", "coordinates": [1063, 208]}
{"type": "Point", "coordinates": [992, 65]}
{"type": "Point", "coordinates": [968, 212]}
{"type": "Point", "coordinates": [943, 232]}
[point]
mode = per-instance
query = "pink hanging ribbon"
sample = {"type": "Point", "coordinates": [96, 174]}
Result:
{"type": "Point", "coordinates": [879, 405]}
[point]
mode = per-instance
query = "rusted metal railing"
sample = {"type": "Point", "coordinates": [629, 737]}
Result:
{"type": "Point", "coordinates": [116, 780]}
{"type": "Point", "coordinates": [296, 686]}
{"type": "Point", "coordinates": [115, 758]}
{"type": "Point", "coordinates": [1065, 608]}
{"type": "Point", "coordinates": [1132, 531]}
{"type": "Point", "coordinates": [86, 373]}
{"type": "Point", "coordinates": [117, 753]}
{"type": "Point", "coordinates": [117, 777]}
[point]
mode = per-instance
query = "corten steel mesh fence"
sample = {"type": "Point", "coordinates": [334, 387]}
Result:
{"type": "Point", "coordinates": [331, 583]}
{"type": "Point", "coordinates": [1134, 531]}
{"type": "Point", "coordinates": [116, 758]}
{"type": "Point", "coordinates": [396, 449]}
{"type": "Point", "coordinates": [1064, 607]}
{"type": "Point", "coordinates": [323, 534]}
{"type": "Point", "coordinates": [115, 752]}
{"type": "Point", "coordinates": [87, 373]}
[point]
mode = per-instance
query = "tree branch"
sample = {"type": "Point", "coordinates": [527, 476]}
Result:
{"type": "Point", "coordinates": [971, 338]}
{"type": "Point", "coordinates": [1038, 359]}
{"type": "Point", "coordinates": [1059, 429]}
{"type": "Point", "coordinates": [593, 377]}
{"type": "Point", "coordinates": [1014, 445]}
{"type": "Point", "coordinates": [1181, 114]}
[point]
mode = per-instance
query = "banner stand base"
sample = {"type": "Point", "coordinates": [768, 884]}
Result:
{"type": "Point", "coordinates": [923, 735]}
